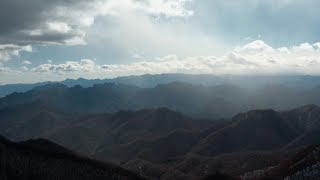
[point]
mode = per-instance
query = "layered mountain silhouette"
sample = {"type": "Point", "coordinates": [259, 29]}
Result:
{"type": "Point", "coordinates": [43, 160]}
{"type": "Point", "coordinates": [160, 143]}
{"type": "Point", "coordinates": [149, 81]}
{"type": "Point", "coordinates": [166, 131]}
{"type": "Point", "coordinates": [198, 101]}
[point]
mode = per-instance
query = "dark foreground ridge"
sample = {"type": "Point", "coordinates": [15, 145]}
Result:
{"type": "Point", "coordinates": [44, 160]}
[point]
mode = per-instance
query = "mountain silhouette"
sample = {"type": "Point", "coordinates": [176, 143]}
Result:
{"type": "Point", "coordinates": [160, 143]}
{"type": "Point", "coordinates": [44, 160]}
{"type": "Point", "coordinates": [198, 101]}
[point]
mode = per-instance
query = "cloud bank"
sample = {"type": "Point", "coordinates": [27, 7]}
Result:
{"type": "Point", "coordinates": [255, 58]}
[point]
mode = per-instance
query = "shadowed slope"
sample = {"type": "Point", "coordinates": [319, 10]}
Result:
{"type": "Point", "coordinates": [43, 160]}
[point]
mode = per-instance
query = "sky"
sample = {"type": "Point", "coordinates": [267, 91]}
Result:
{"type": "Point", "coordinates": [45, 40]}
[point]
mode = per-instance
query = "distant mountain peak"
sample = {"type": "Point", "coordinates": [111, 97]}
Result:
{"type": "Point", "coordinates": [51, 86]}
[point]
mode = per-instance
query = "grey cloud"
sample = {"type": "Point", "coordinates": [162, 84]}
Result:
{"type": "Point", "coordinates": [68, 22]}
{"type": "Point", "coordinates": [18, 18]}
{"type": "Point", "coordinates": [8, 50]}
{"type": "Point", "coordinates": [29, 22]}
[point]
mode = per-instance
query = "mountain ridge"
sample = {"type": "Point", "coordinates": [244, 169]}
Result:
{"type": "Point", "coordinates": [198, 101]}
{"type": "Point", "coordinates": [16, 159]}
{"type": "Point", "coordinates": [170, 140]}
{"type": "Point", "coordinates": [149, 80]}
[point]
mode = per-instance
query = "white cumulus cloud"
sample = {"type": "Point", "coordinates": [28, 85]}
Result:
{"type": "Point", "coordinates": [26, 62]}
{"type": "Point", "coordinates": [255, 58]}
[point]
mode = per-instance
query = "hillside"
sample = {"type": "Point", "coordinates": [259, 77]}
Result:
{"type": "Point", "coordinates": [305, 164]}
{"type": "Point", "coordinates": [43, 160]}
{"type": "Point", "coordinates": [168, 144]}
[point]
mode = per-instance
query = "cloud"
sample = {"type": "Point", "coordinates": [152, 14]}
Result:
{"type": "Point", "coordinates": [138, 31]}
{"type": "Point", "coordinates": [5, 69]}
{"type": "Point", "coordinates": [24, 69]}
{"type": "Point", "coordinates": [154, 29]}
{"type": "Point", "coordinates": [26, 62]}
{"type": "Point", "coordinates": [257, 46]}
{"type": "Point", "coordinates": [66, 21]}
{"type": "Point", "coordinates": [164, 7]}
{"type": "Point", "coordinates": [85, 65]}
{"type": "Point", "coordinates": [34, 21]}
{"type": "Point", "coordinates": [255, 58]}
{"type": "Point", "coordinates": [8, 50]}
{"type": "Point", "coordinates": [252, 59]}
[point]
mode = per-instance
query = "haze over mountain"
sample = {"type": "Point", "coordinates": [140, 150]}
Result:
{"type": "Point", "coordinates": [177, 130]}
{"type": "Point", "coordinates": [149, 81]}
{"type": "Point", "coordinates": [164, 144]}
{"type": "Point", "coordinates": [214, 102]}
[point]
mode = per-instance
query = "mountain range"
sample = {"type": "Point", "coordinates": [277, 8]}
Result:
{"type": "Point", "coordinates": [198, 101]}
{"type": "Point", "coordinates": [175, 130]}
{"type": "Point", "coordinates": [149, 81]}
{"type": "Point", "coordinates": [164, 144]}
